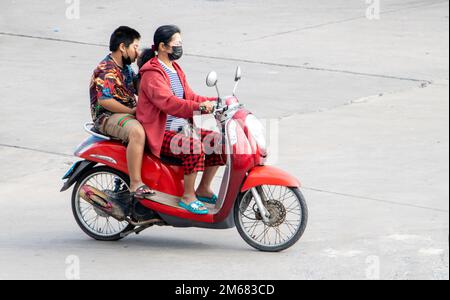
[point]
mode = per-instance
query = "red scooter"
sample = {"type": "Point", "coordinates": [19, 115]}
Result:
{"type": "Point", "coordinates": [263, 202]}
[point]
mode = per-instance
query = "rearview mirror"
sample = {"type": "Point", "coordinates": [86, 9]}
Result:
{"type": "Point", "coordinates": [211, 79]}
{"type": "Point", "coordinates": [238, 74]}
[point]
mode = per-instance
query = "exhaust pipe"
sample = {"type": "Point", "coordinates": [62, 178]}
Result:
{"type": "Point", "coordinates": [102, 201]}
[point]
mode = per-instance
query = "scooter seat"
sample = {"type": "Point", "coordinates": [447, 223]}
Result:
{"type": "Point", "coordinates": [171, 161]}
{"type": "Point", "coordinates": [164, 159]}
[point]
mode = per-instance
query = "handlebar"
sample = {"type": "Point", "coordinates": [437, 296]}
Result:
{"type": "Point", "coordinates": [225, 108]}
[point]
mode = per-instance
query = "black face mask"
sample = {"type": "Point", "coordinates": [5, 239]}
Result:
{"type": "Point", "coordinates": [177, 53]}
{"type": "Point", "coordinates": [126, 60]}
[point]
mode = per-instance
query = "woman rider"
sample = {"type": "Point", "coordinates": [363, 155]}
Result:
{"type": "Point", "coordinates": [166, 107]}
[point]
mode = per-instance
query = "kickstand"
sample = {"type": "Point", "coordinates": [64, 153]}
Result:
{"type": "Point", "coordinates": [136, 230]}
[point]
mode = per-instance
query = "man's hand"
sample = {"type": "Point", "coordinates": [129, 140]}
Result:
{"type": "Point", "coordinates": [116, 107]}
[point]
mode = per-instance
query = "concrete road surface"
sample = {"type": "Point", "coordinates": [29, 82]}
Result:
{"type": "Point", "coordinates": [358, 94]}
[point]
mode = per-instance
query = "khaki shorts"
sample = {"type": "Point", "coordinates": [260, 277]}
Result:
{"type": "Point", "coordinates": [119, 126]}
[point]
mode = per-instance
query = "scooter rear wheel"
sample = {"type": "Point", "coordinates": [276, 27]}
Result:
{"type": "Point", "coordinates": [91, 220]}
{"type": "Point", "coordinates": [287, 222]}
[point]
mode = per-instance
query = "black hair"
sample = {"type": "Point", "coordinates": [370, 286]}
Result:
{"type": "Point", "coordinates": [123, 34]}
{"type": "Point", "coordinates": [145, 56]}
{"type": "Point", "coordinates": [164, 35]}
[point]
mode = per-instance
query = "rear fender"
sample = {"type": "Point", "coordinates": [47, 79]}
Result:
{"type": "Point", "coordinates": [75, 172]}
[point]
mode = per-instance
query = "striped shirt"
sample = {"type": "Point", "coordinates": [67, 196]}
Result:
{"type": "Point", "coordinates": [174, 123]}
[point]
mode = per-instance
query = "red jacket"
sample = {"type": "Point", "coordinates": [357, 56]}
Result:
{"type": "Point", "coordinates": [156, 101]}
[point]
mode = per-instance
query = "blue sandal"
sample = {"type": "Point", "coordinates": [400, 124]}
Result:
{"type": "Point", "coordinates": [194, 207]}
{"type": "Point", "coordinates": [212, 200]}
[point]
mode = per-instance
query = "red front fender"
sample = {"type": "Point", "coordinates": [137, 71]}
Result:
{"type": "Point", "coordinates": [267, 175]}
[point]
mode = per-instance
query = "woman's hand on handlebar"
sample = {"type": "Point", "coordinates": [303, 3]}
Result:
{"type": "Point", "coordinates": [207, 106]}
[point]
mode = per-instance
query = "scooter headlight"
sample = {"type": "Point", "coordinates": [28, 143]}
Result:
{"type": "Point", "coordinates": [257, 131]}
{"type": "Point", "coordinates": [232, 132]}
{"type": "Point", "coordinates": [237, 139]}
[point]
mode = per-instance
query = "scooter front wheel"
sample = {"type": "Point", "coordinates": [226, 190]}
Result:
{"type": "Point", "coordinates": [285, 225]}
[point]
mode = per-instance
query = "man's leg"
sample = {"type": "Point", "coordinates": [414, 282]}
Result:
{"type": "Point", "coordinates": [126, 128]}
{"type": "Point", "coordinates": [135, 154]}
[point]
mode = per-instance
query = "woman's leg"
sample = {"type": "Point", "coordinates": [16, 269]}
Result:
{"type": "Point", "coordinates": [213, 160]}
{"type": "Point", "coordinates": [189, 188]}
{"type": "Point", "coordinates": [192, 163]}
{"type": "Point", "coordinates": [204, 189]}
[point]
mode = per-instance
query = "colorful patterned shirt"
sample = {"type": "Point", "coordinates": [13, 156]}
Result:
{"type": "Point", "coordinates": [110, 81]}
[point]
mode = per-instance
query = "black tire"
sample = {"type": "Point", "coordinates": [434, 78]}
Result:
{"type": "Point", "coordinates": [294, 239]}
{"type": "Point", "coordinates": [80, 223]}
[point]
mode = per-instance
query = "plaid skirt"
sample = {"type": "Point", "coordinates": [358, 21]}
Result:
{"type": "Point", "coordinates": [195, 153]}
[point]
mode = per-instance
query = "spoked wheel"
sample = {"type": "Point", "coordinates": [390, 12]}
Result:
{"type": "Point", "coordinates": [286, 224]}
{"type": "Point", "coordinates": [93, 221]}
